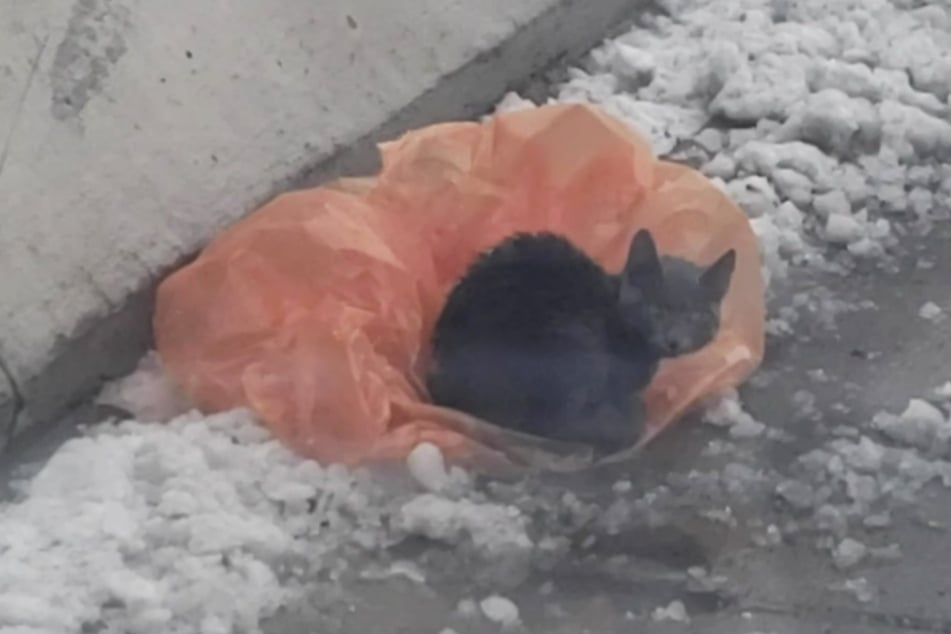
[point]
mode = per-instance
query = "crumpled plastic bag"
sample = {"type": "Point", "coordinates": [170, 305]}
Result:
{"type": "Point", "coordinates": [315, 311]}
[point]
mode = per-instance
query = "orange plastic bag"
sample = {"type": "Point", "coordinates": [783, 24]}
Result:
{"type": "Point", "coordinates": [316, 310]}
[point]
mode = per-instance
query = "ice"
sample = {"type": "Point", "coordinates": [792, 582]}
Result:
{"type": "Point", "coordinates": [849, 553]}
{"type": "Point", "coordinates": [622, 486]}
{"type": "Point", "coordinates": [831, 519]}
{"type": "Point", "coordinates": [843, 229]}
{"type": "Point", "coordinates": [921, 425]}
{"type": "Point", "coordinates": [754, 195]}
{"type": "Point", "coordinates": [943, 392]}
{"type": "Point", "coordinates": [625, 61]}
{"type": "Point", "coordinates": [721, 166]}
{"type": "Point", "coordinates": [930, 311]}
{"type": "Point", "coordinates": [428, 467]}
{"type": "Point", "coordinates": [500, 610]}
{"type": "Point", "coordinates": [813, 100]}
{"type": "Point", "coordinates": [878, 521]}
{"type": "Point", "coordinates": [728, 412]}
{"type": "Point", "coordinates": [171, 522]}
{"type": "Point", "coordinates": [855, 80]}
{"type": "Point", "coordinates": [148, 394]}
{"type": "Point", "coordinates": [493, 529]}
{"type": "Point", "coordinates": [512, 102]}
{"type": "Point", "coordinates": [467, 608]}
{"type": "Point", "coordinates": [676, 611]}
{"type": "Point", "coordinates": [860, 588]}
{"type": "Point", "coordinates": [798, 495]}
{"type": "Point", "coordinates": [832, 203]}
{"type": "Point", "coordinates": [834, 121]}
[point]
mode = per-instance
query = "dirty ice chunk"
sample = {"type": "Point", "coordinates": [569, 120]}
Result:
{"type": "Point", "coordinates": [676, 612]}
{"type": "Point", "coordinates": [943, 392]}
{"type": "Point", "coordinates": [832, 203]}
{"type": "Point", "coordinates": [500, 610]}
{"type": "Point", "coordinates": [843, 229]}
{"type": "Point", "coordinates": [626, 61]}
{"type": "Point", "coordinates": [835, 122]}
{"type": "Point", "coordinates": [849, 553]}
{"type": "Point", "coordinates": [860, 588]}
{"type": "Point", "coordinates": [930, 311]}
{"type": "Point", "coordinates": [729, 412]}
{"type": "Point", "coordinates": [754, 195]}
{"type": "Point", "coordinates": [512, 102]}
{"type": "Point", "coordinates": [921, 425]}
{"type": "Point", "coordinates": [427, 466]}
{"type": "Point", "coordinates": [493, 529]}
{"type": "Point", "coordinates": [720, 166]}
{"type": "Point", "coordinates": [855, 80]}
{"type": "Point", "coordinates": [798, 495]}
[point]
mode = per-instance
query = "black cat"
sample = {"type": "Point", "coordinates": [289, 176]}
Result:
{"type": "Point", "coordinates": [539, 338]}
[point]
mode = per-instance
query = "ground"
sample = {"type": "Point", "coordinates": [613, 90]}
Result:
{"type": "Point", "coordinates": [814, 500]}
{"type": "Point", "coordinates": [779, 588]}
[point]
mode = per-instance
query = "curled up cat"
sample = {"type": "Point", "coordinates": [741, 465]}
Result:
{"type": "Point", "coordinates": [537, 337]}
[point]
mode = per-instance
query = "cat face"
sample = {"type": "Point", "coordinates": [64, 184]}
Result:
{"type": "Point", "coordinates": [673, 302]}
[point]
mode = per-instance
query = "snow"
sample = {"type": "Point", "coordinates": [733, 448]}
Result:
{"type": "Point", "coordinates": [494, 529]}
{"type": "Point", "coordinates": [930, 311]}
{"type": "Point", "coordinates": [158, 527]}
{"type": "Point", "coordinates": [830, 109]}
{"type": "Point", "coordinates": [675, 611]}
{"type": "Point", "coordinates": [428, 467]}
{"type": "Point", "coordinates": [500, 610]}
{"type": "Point", "coordinates": [728, 412]}
{"type": "Point", "coordinates": [920, 425]}
{"type": "Point", "coordinates": [849, 553]}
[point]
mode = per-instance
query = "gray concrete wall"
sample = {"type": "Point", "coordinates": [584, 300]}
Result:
{"type": "Point", "coordinates": [132, 131]}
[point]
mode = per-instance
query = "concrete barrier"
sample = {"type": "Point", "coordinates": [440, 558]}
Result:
{"type": "Point", "coordinates": [131, 132]}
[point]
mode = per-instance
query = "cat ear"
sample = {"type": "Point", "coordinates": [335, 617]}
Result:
{"type": "Point", "coordinates": [716, 279]}
{"type": "Point", "coordinates": [642, 261]}
{"type": "Point", "coordinates": [642, 273]}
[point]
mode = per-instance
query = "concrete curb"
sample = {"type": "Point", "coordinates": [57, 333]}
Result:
{"type": "Point", "coordinates": [70, 324]}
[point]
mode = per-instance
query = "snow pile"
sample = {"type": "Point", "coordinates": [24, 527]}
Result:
{"type": "Point", "coordinates": [146, 527]}
{"type": "Point", "coordinates": [820, 119]}
{"type": "Point", "coordinates": [158, 528]}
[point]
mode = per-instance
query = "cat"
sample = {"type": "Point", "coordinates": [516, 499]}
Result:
{"type": "Point", "coordinates": [537, 337]}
